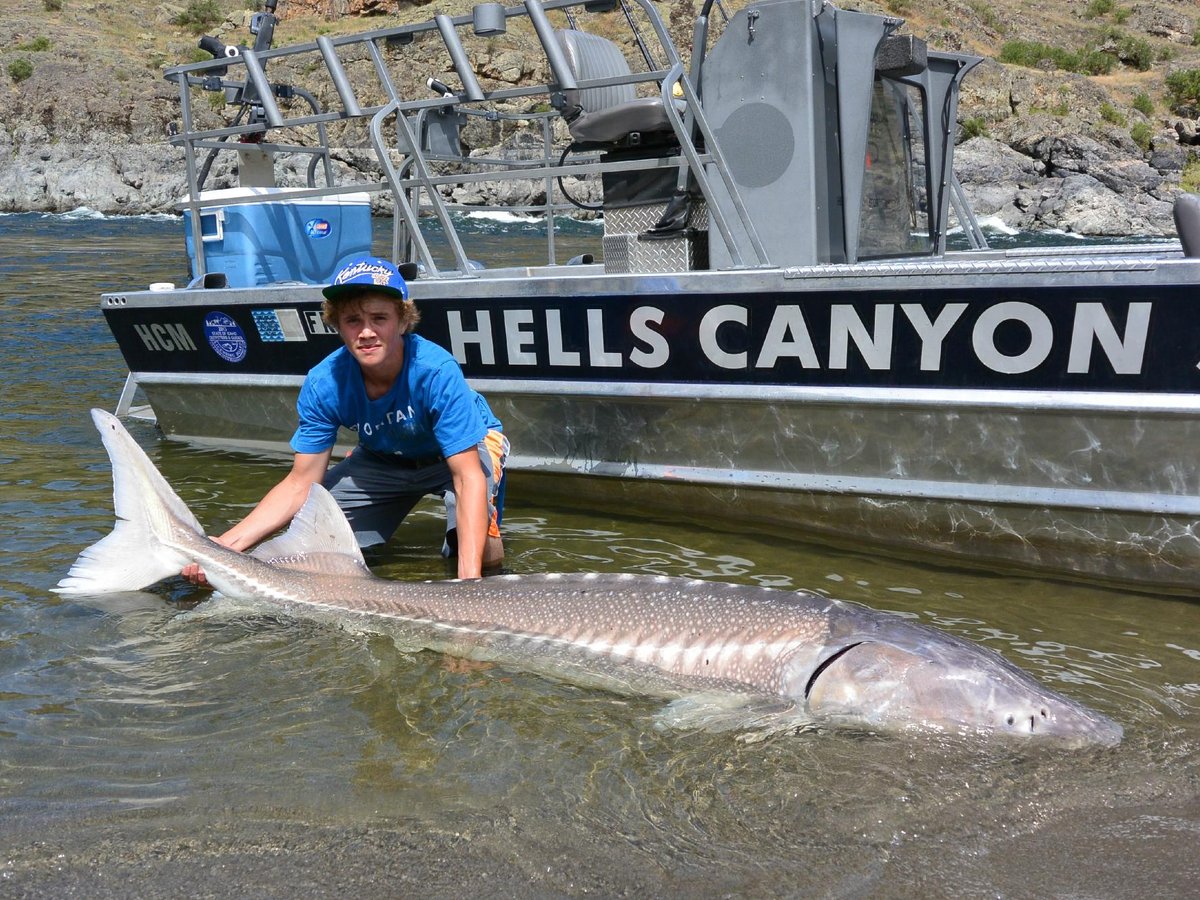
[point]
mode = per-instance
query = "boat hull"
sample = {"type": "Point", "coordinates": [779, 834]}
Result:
{"type": "Point", "coordinates": [865, 414]}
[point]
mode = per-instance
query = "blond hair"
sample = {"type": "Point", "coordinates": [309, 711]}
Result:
{"type": "Point", "coordinates": [331, 310]}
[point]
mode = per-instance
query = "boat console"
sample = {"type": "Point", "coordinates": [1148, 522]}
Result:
{"type": "Point", "coordinates": [797, 134]}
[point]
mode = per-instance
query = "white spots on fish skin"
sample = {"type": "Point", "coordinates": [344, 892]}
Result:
{"type": "Point", "coordinates": [687, 628]}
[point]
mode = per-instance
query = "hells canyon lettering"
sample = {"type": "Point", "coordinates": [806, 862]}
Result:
{"type": "Point", "coordinates": [1007, 338]}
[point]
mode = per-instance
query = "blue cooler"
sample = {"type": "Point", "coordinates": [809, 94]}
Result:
{"type": "Point", "coordinates": [279, 238]}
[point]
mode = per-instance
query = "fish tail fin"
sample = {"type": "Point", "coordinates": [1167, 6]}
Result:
{"type": "Point", "coordinates": [143, 546]}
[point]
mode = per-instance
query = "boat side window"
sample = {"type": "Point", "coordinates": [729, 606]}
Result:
{"type": "Point", "coordinates": [895, 199]}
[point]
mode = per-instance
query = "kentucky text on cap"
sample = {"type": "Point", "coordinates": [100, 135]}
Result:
{"type": "Point", "coordinates": [368, 272]}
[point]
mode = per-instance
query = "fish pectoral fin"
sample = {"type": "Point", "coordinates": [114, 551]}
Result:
{"type": "Point", "coordinates": [318, 529]}
{"type": "Point", "coordinates": [717, 711]}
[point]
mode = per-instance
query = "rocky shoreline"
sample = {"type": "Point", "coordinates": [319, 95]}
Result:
{"type": "Point", "coordinates": [1074, 184]}
{"type": "Point", "coordinates": [1072, 169]}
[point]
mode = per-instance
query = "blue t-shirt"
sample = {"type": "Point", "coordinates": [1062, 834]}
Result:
{"type": "Point", "coordinates": [430, 410]}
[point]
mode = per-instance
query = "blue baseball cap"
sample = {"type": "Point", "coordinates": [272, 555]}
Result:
{"type": "Point", "coordinates": [367, 273]}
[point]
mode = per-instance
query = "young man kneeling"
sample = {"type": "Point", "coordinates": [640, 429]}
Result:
{"type": "Point", "coordinates": [421, 429]}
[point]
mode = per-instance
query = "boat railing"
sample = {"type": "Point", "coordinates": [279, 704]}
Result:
{"type": "Point", "coordinates": [413, 169]}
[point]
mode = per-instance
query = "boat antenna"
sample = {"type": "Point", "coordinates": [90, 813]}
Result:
{"type": "Point", "coordinates": [637, 35]}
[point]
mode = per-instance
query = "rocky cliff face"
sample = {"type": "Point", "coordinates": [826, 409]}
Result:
{"type": "Point", "coordinates": [83, 122]}
{"type": "Point", "coordinates": [336, 9]}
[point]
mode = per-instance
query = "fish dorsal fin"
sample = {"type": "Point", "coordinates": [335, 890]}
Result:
{"type": "Point", "coordinates": [318, 540]}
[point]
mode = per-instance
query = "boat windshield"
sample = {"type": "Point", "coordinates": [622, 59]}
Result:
{"type": "Point", "coordinates": [895, 200]}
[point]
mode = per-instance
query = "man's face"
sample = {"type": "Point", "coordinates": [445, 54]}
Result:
{"type": "Point", "coordinates": [371, 331]}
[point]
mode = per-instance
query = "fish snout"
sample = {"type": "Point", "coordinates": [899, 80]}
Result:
{"type": "Point", "coordinates": [1026, 721]}
{"type": "Point", "coordinates": [1059, 719]}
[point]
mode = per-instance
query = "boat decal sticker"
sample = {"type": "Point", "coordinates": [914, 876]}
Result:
{"type": "Point", "coordinates": [317, 325]}
{"type": "Point", "coordinates": [225, 336]}
{"type": "Point", "coordinates": [164, 337]}
{"type": "Point", "coordinates": [318, 228]}
{"type": "Point", "coordinates": [276, 325]}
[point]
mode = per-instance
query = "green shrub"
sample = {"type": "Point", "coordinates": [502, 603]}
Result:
{"type": "Point", "coordinates": [199, 15]}
{"type": "Point", "coordinates": [976, 126]}
{"type": "Point", "coordinates": [1143, 104]}
{"type": "Point", "coordinates": [1031, 53]}
{"type": "Point", "coordinates": [1111, 114]}
{"type": "Point", "coordinates": [1133, 51]}
{"type": "Point", "coordinates": [36, 45]}
{"type": "Point", "coordinates": [1099, 8]}
{"type": "Point", "coordinates": [1190, 181]}
{"type": "Point", "coordinates": [1095, 62]}
{"type": "Point", "coordinates": [1136, 52]}
{"type": "Point", "coordinates": [19, 70]}
{"type": "Point", "coordinates": [988, 16]}
{"type": "Point", "coordinates": [1141, 134]}
{"type": "Point", "coordinates": [52, 5]}
{"type": "Point", "coordinates": [1184, 87]}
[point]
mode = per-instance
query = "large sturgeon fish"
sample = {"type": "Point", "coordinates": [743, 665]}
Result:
{"type": "Point", "coordinates": [773, 658]}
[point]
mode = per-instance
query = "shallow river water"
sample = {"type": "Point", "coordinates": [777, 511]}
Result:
{"type": "Point", "coordinates": [165, 744]}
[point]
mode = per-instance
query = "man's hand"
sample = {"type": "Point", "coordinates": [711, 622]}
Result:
{"type": "Point", "coordinates": [192, 571]}
{"type": "Point", "coordinates": [273, 512]}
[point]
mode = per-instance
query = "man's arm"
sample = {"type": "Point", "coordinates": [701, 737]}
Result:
{"type": "Point", "coordinates": [273, 511]}
{"type": "Point", "coordinates": [470, 494]}
{"type": "Point", "coordinates": [281, 503]}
